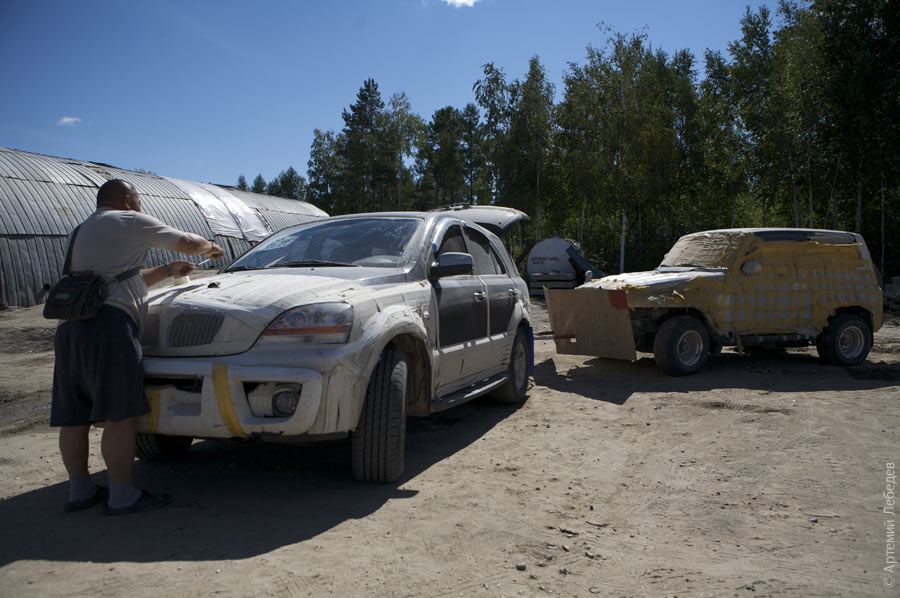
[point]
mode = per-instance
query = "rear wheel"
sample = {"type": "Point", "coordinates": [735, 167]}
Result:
{"type": "Point", "coordinates": [159, 447]}
{"type": "Point", "coordinates": [681, 346]}
{"type": "Point", "coordinates": [379, 441]}
{"type": "Point", "coordinates": [846, 341]}
{"type": "Point", "coordinates": [513, 390]}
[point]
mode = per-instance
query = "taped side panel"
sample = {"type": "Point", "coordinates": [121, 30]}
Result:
{"type": "Point", "coordinates": [799, 286]}
{"type": "Point", "coordinates": [589, 321]}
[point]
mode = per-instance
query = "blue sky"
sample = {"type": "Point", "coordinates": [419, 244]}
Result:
{"type": "Point", "coordinates": [209, 90]}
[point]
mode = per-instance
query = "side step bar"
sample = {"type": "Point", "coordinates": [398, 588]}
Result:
{"type": "Point", "coordinates": [467, 394]}
{"type": "Point", "coordinates": [750, 340]}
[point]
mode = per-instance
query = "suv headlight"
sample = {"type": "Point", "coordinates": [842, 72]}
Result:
{"type": "Point", "coordinates": [317, 323]}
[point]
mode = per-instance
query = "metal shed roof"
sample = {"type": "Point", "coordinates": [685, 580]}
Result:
{"type": "Point", "coordinates": [278, 212]}
{"type": "Point", "coordinates": [42, 198]}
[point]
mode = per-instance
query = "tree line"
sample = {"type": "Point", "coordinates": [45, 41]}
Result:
{"type": "Point", "coordinates": [796, 126]}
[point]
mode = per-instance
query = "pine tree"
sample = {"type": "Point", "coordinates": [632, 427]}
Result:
{"type": "Point", "coordinates": [365, 165]}
{"type": "Point", "coordinates": [323, 171]}
{"type": "Point", "coordinates": [259, 184]}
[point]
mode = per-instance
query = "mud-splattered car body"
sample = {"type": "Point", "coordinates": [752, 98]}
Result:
{"type": "Point", "coordinates": [735, 287]}
{"type": "Point", "coordinates": [287, 340]}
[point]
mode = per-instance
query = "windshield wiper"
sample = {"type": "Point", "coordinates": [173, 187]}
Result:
{"type": "Point", "coordinates": [686, 265]}
{"type": "Point", "coordinates": [308, 263]}
{"type": "Point", "coordinates": [241, 268]}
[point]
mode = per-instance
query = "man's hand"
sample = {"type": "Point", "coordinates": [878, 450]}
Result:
{"type": "Point", "coordinates": [181, 268]}
{"type": "Point", "coordinates": [157, 274]}
{"type": "Point", "coordinates": [215, 252]}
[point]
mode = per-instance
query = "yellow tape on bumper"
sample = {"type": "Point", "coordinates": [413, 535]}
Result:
{"type": "Point", "coordinates": [153, 416]}
{"type": "Point", "coordinates": [223, 398]}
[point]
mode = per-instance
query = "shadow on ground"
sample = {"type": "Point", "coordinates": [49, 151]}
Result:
{"type": "Point", "coordinates": [232, 500]}
{"type": "Point", "coordinates": [614, 381]}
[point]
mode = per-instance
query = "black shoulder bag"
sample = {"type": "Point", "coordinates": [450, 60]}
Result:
{"type": "Point", "coordinates": [79, 295]}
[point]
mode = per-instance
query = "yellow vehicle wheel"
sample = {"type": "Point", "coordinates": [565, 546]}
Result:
{"type": "Point", "coordinates": [846, 341]}
{"type": "Point", "coordinates": [681, 346]}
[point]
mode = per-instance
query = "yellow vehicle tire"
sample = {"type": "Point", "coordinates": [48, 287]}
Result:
{"type": "Point", "coordinates": [681, 346]}
{"type": "Point", "coordinates": [846, 341]}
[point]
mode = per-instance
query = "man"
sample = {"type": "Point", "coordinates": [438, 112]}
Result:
{"type": "Point", "coordinates": [98, 375]}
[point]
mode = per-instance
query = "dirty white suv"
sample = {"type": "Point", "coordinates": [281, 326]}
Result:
{"type": "Point", "coordinates": [339, 326]}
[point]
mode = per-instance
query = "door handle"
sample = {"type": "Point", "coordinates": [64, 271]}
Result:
{"type": "Point", "coordinates": [480, 296]}
{"type": "Point", "coordinates": [514, 292]}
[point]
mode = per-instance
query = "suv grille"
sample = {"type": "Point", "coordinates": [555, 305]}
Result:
{"type": "Point", "coordinates": [191, 329]}
{"type": "Point", "coordinates": [150, 332]}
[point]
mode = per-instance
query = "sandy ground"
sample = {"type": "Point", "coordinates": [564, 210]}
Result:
{"type": "Point", "coordinates": [764, 475]}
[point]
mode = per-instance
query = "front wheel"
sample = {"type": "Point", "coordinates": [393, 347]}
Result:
{"type": "Point", "coordinates": [379, 441]}
{"type": "Point", "coordinates": [681, 346]}
{"type": "Point", "coordinates": [846, 341]}
{"type": "Point", "coordinates": [513, 390]}
{"type": "Point", "coordinates": [159, 447]}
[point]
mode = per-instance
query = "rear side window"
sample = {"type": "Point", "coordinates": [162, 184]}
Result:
{"type": "Point", "coordinates": [483, 254]}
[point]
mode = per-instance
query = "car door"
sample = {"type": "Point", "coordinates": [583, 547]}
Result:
{"type": "Point", "coordinates": [501, 297]}
{"type": "Point", "coordinates": [462, 315]}
{"type": "Point", "coordinates": [772, 298]}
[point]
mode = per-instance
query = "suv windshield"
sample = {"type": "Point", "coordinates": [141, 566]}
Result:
{"type": "Point", "coordinates": [702, 250]}
{"type": "Point", "coordinates": [379, 242]}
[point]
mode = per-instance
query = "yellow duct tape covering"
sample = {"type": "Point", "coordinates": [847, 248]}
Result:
{"type": "Point", "coordinates": [153, 416]}
{"type": "Point", "coordinates": [223, 398]}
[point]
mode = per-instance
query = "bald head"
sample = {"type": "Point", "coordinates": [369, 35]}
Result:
{"type": "Point", "coordinates": [119, 195]}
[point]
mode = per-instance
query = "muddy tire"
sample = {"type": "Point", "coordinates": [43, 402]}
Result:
{"type": "Point", "coordinates": [378, 444]}
{"type": "Point", "coordinates": [681, 346]}
{"type": "Point", "coordinates": [846, 341]}
{"type": "Point", "coordinates": [159, 447]}
{"type": "Point", "coordinates": [513, 390]}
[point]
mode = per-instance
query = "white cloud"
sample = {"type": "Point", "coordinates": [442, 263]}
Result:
{"type": "Point", "coordinates": [69, 121]}
{"type": "Point", "coordinates": [458, 3]}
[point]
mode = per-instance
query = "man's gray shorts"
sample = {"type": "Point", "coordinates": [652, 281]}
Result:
{"type": "Point", "coordinates": [98, 375]}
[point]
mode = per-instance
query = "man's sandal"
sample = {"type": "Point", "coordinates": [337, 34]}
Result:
{"type": "Point", "coordinates": [147, 502]}
{"type": "Point", "coordinates": [100, 495]}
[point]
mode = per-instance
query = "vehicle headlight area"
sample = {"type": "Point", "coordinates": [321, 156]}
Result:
{"type": "Point", "coordinates": [327, 323]}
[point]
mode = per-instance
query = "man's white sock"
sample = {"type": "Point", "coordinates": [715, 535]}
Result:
{"type": "Point", "coordinates": [123, 494]}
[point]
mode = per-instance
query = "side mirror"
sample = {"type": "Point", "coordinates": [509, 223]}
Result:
{"type": "Point", "coordinates": [452, 264]}
{"type": "Point", "coordinates": [751, 267]}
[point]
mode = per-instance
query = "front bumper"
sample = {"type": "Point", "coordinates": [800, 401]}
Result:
{"type": "Point", "coordinates": [221, 409]}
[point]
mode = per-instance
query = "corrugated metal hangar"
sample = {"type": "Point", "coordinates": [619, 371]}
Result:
{"type": "Point", "coordinates": [42, 198]}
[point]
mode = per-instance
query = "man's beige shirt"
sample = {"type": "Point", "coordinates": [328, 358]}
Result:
{"type": "Point", "coordinates": [112, 241]}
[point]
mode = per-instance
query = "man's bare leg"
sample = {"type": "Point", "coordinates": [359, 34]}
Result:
{"type": "Point", "coordinates": [117, 447]}
{"type": "Point", "coordinates": [74, 448]}
{"type": "Point", "coordinates": [73, 444]}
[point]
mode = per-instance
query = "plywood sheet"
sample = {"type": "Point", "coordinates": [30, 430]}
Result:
{"type": "Point", "coordinates": [590, 321]}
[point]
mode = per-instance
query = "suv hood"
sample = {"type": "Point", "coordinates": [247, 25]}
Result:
{"type": "Point", "coordinates": [225, 314]}
{"type": "Point", "coordinates": [656, 279]}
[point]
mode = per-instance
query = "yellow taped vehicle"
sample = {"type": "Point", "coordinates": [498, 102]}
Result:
{"type": "Point", "coordinates": [734, 287]}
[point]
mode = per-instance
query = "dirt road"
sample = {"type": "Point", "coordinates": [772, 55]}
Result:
{"type": "Point", "coordinates": [764, 475]}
